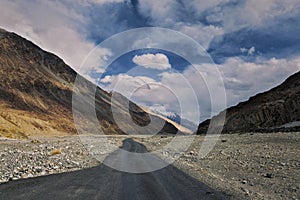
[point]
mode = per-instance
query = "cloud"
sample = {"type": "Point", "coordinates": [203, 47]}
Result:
{"type": "Point", "coordinates": [126, 84]}
{"type": "Point", "coordinates": [256, 45]}
{"type": "Point", "coordinates": [154, 61]}
{"type": "Point", "coordinates": [167, 93]}
{"type": "Point", "coordinates": [244, 79]}
{"type": "Point", "coordinates": [161, 12]}
{"type": "Point", "coordinates": [178, 16]}
{"type": "Point", "coordinates": [201, 6]}
{"type": "Point", "coordinates": [100, 1]}
{"type": "Point", "coordinates": [107, 79]}
{"type": "Point", "coordinates": [161, 110]}
{"type": "Point", "coordinates": [237, 14]}
{"type": "Point", "coordinates": [55, 31]}
{"type": "Point", "coordinates": [242, 22]}
{"type": "Point", "coordinates": [200, 33]}
{"type": "Point", "coordinates": [241, 79]}
{"type": "Point", "coordinates": [71, 28]}
{"type": "Point", "coordinates": [265, 11]}
{"type": "Point", "coordinates": [174, 92]}
{"type": "Point", "coordinates": [278, 39]}
{"type": "Point", "coordinates": [250, 51]}
{"type": "Point", "coordinates": [105, 20]}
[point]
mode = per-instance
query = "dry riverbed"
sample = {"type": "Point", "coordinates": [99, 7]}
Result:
{"type": "Point", "coordinates": [248, 166]}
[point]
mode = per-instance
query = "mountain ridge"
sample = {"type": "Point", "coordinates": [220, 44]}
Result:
{"type": "Point", "coordinates": [263, 112]}
{"type": "Point", "coordinates": [36, 89]}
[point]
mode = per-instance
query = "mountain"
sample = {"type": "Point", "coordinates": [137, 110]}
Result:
{"type": "Point", "coordinates": [36, 89]}
{"type": "Point", "coordinates": [273, 110]}
{"type": "Point", "coordinates": [176, 118]}
{"type": "Point", "coordinates": [184, 122]}
{"type": "Point", "coordinates": [181, 128]}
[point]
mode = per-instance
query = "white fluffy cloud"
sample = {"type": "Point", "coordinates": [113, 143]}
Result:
{"type": "Point", "coordinates": [126, 84]}
{"type": "Point", "coordinates": [161, 110]}
{"type": "Point", "coordinates": [154, 61]}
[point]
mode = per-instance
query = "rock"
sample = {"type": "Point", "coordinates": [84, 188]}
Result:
{"type": "Point", "coordinates": [24, 176]}
{"type": "Point", "coordinates": [43, 173]}
{"type": "Point", "coordinates": [55, 152]}
{"type": "Point", "coordinates": [38, 169]}
{"type": "Point", "coordinates": [269, 175]}
{"type": "Point", "coordinates": [75, 163]}
{"type": "Point", "coordinates": [246, 191]}
{"type": "Point", "coordinates": [35, 141]}
{"type": "Point", "coordinates": [79, 152]}
{"type": "Point", "coordinates": [29, 176]}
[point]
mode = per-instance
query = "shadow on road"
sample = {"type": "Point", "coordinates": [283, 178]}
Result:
{"type": "Point", "coordinates": [103, 182]}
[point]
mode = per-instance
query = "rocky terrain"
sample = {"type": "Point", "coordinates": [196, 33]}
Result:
{"type": "Point", "coordinates": [267, 111]}
{"type": "Point", "coordinates": [36, 90]}
{"type": "Point", "coordinates": [247, 166]}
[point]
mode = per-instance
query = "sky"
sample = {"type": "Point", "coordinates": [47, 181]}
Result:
{"type": "Point", "coordinates": [254, 45]}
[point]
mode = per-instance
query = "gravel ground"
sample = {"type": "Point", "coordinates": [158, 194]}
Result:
{"type": "Point", "coordinates": [248, 166]}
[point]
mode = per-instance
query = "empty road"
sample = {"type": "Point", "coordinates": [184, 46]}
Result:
{"type": "Point", "coordinates": [102, 182]}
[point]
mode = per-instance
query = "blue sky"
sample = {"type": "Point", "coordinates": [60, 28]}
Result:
{"type": "Point", "coordinates": [125, 62]}
{"type": "Point", "coordinates": [255, 44]}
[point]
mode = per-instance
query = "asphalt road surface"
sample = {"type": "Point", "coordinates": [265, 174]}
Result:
{"type": "Point", "coordinates": [105, 183]}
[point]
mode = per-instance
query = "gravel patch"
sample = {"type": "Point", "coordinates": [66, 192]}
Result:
{"type": "Point", "coordinates": [39, 157]}
{"type": "Point", "coordinates": [247, 166]}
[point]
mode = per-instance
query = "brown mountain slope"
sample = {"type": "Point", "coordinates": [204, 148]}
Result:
{"type": "Point", "coordinates": [267, 110]}
{"type": "Point", "coordinates": [36, 90]}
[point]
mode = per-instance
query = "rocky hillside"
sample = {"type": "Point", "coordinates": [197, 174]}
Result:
{"type": "Point", "coordinates": [267, 111]}
{"type": "Point", "coordinates": [36, 90]}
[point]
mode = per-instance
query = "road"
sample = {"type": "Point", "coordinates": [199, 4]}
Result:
{"type": "Point", "coordinates": [105, 183]}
